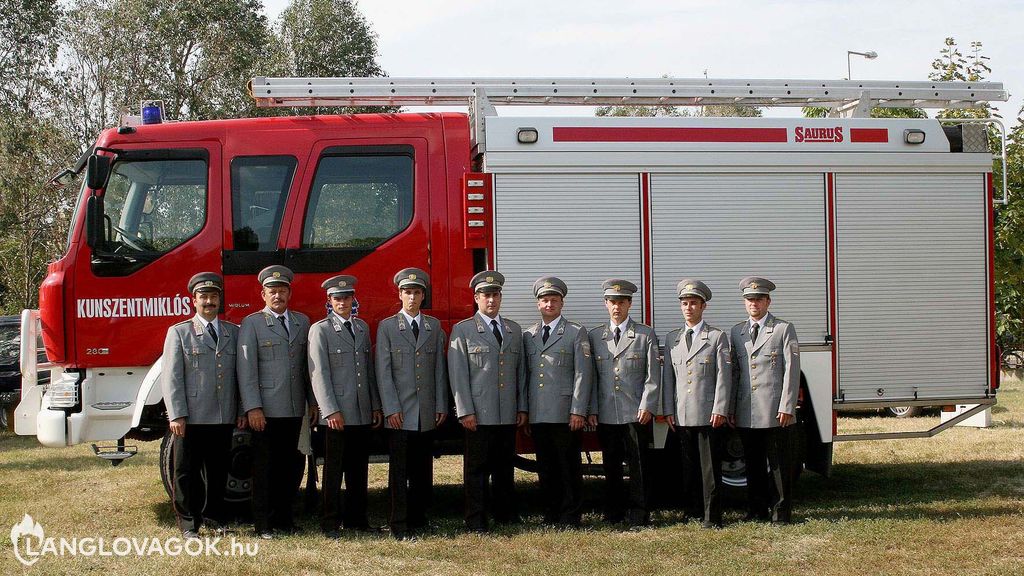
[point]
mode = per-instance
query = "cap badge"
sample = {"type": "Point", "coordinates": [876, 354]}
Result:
{"type": "Point", "coordinates": [277, 274]}
{"type": "Point", "coordinates": [489, 279]}
{"type": "Point", "coordinates": [689, 286]}
{"type": "Point", "coordinates": [412, 276]}
{"type": "Point", "coordinates": [753, 285]}
{"type": "Point", "coordinates": [208, 283]}
{"type": "Point", "coordinates": [547, 284]}
{"type": "Point", "coordinates": [616, 287]}
{"type": "Point", "coordinates": [342, 283]}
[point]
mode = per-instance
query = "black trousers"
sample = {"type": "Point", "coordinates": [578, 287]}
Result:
{"type": "Point", "coordinates": [769, 451]}
{"type": "Point", "coordinates": [204, 446]}
{"type": "Point", "coordinates": [625, 442]}
{"type": "Point", "coordinates": [702, 472]}
{"type": "Point", "coordinates": [559, 472]}
{"type": "Point", "coordinates": [347, 457]}
{"type": "Point", "coordinates": [488, 472]}
{"type": "Point", "coordinates": [410, 478]}
{"type": "Point", "coordinates": [273, 473]}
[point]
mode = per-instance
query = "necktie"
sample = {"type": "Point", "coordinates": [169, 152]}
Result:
{"type": "Point", "coordinates": [415, 330]}
{"type": "Point", "coordinates": [689, 338]}
{"type": "Point", "coordinates": [348, 326]}
{"type": "Point", "coordinates": [617, 334]}
{"type": "Point", "coordinates": [284, 325]}
{"type": "Point", "coordinates": [213, 333]}
{"type": "Point", "coordinates": [547, 332]}
{"type": "Point", "coordinates": [753, 333]}
{"type": "Point", "coordinates": [497, 333]}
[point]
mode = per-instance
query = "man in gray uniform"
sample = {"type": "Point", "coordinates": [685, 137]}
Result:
{"type": "Point", "coordinates": [201, 396]}
{"type": "Point", "coordinates": [412, 375]}
{"type": "Point", "coordinates": [342, 374]}
{"type": "Point", "coordinates": [273, 381]}
{"type": "Point", "coordinates": [697, 385]}
{"type": "Point", "coordinates": [560, 373]}
{"type": "Point", "coordinates": [627, 397]}
{"type": "Point", "coordinates": [487, 370]}
{"type": "Point", "coordinates": [766, 374]}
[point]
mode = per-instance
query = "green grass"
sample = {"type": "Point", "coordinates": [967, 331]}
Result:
{"type": "Point", "coordinates": [952, 504]}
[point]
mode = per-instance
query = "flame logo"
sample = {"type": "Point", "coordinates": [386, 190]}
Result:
{"type": "Point", "coordinates": [26, 528]}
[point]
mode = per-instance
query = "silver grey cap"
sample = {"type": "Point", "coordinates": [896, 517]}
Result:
{"type": "Point", "coordinates": [549, 285]}
{"type": "Point", "coordinates": [487, 281]}
{"type": "Point", "coordinates": [688, 287]}
{"type": "Point", "coordinates": [756, 286]}
{"type": "Point", "coordinates": [276, 275]}
{"type": "Point", "coordinates": [412, 277]}
{"type": "Point", "coordinates": [619, 288]}
{"type": "Point", "coordinates": [340, 285]}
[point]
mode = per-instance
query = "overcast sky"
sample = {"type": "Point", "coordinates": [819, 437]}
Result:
{"type": "Point", "coordinates": [685, 38]}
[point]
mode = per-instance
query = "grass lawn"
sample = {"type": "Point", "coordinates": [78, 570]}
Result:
{"type": "Point", "coordinates": [952, 504]}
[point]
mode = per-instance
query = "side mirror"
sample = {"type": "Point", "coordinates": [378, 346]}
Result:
{"type": "Point", "coordinates": [94, 221]}
{"type": "Point", "coordinates": [97, 172]}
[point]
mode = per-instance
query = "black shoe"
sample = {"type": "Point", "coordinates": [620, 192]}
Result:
{"type": "Point", "coordinates": [710, 525]}
{"type": "Point", "coordinates": [189, 535]}
{"type": "Point", "coordinates": [265, 535]}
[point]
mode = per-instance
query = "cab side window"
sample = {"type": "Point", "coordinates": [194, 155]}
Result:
{"type": "Point", "coordinates": [360, 197]}
{"type": "Point", "coordinates": [259, 190]}
{"type": "Point", "coordinates": [151, 207]}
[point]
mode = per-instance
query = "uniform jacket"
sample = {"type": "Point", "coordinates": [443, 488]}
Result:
{"type": "Point", "coordinates": [198, 375]}
{"type": "Point", "coordinates": [560, 372]}
{"type": "Point", "coordinates": [412, 374]}
{"type": "Point", "coordinates": [628, 375]}
{"type": "Point", "coordinates": [487, 380]}
{"type": "Point", "coordinates": [697, 381]}
{"type": "Point", "coordinates": [273, 371]}
{"type": "Point", "coordinates": [341, 370]}
{"type": "Point", "coordinates": [766, 373]}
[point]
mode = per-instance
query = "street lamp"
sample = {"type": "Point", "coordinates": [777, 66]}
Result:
{"type": "Point", "coordinates": [870, 55]}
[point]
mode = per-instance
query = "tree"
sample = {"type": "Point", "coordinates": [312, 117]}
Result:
{"type": "Point", "coordinates": [325, 38]}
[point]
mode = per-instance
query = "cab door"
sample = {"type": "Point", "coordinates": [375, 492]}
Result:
{"type": "Point", "coordinates": [362, 210]}
{"type": "Point", "coordinates": [161, 223]}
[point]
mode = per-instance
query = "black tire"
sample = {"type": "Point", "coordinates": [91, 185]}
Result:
{"type": "Point", "coordinates": [904, 411]}
{"type": "Point", "coordinates": [239, 481]}
{"type": "Point", "coordinates": [166, 465]}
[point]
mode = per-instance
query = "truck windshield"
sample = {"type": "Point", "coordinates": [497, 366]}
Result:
{"type": "Point", "coordinates": [152, 206]}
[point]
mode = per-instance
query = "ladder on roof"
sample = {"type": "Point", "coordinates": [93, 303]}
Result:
{"type": "Point", "coordinates": [836, 94]}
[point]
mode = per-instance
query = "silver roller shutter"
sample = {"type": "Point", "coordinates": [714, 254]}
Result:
{"type": "Point", "coordinates": [912, 289]}
{"type": "Point", "coordinates": [583, 228]}
{"type": "Point", "coordinates": [721, 227]}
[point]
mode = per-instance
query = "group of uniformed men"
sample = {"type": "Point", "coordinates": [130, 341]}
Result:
{"type": "Point", "coordinates": [554, 380]}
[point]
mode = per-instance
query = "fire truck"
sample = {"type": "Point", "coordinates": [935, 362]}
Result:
{"type": "Point", "coordinates": [878, 232]}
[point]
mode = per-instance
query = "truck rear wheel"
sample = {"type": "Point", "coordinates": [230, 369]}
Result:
{"type": "Point", "coordinates": [239, 482]}
{"type": "Point", "coordinates": [904, 411]}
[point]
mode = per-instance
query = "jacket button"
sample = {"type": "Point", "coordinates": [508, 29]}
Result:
{"type": "Point", "coordinates": [501, 385]}
{"type": "Point", "coordinates": [417, 388]}
{"type": "Point", "coordinates": [540, 385]}
{"type": "Point", "coordinates": [541, 365]}
{"type": "Point", "coordinates": [753, 365]}
{"type": "Point", "coordinates": [219, 366]}
{"type": "Point", "coordinates": [689, 372]}
{"type": "Point", "coordinates": [417, 353]}
{"type": "Point", "coordinates": [618, 388]}
{"type": "Point", "coordinates": [688, 391]}
{"type": "Point", "coordinates": [218, 354]}
{"type": "Point", "coordinates": [541, 375]}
